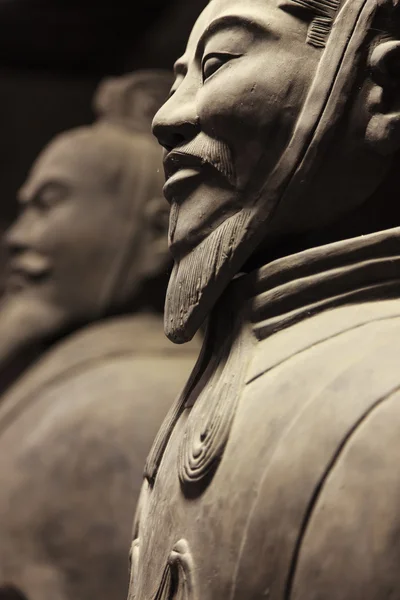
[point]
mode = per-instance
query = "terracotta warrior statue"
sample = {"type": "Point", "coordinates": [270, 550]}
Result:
{"type": "Point", "coordinates": [81, 314]}
{"type": "Point", "coordinates": [275, 474]}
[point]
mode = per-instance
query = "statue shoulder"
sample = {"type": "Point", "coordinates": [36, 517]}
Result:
{"type": "Point", "coordinates": [324, 425]}
{"type": "Point", "coordinates": [99, 382]}
{"type": "Point", "coordinates": [351, 532]}
{"type": "Point", "coordinates": [117, 356]}
{"type": "Point", "coordinates": [353, 331]}
{"type": "Point", "coordinates": [85, 413]}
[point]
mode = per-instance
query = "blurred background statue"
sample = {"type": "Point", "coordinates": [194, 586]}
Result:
{"type": "Point", "coordinates": [85, 370]}
{"type": "Point", "coordinates": [52, 58]}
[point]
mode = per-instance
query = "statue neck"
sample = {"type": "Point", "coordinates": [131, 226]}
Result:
{"type": "Point", "coordinates": [356, 270]}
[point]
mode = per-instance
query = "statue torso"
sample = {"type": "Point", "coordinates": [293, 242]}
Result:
{"type": "Point", "coordinates": [276, 477]}
{"type": "Point", "coordinates": [74, 434]}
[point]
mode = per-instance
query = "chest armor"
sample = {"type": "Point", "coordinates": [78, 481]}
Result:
{"type": "Point", "coordinates": [274, 475]}
{"type": "Point", "coordinates": [249, 465]}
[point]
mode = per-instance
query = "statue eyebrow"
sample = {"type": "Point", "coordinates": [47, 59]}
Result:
{"type": "Point", "coordinates": [225, 22]}
{"type": "Point", "coordinates": [228, 21]}
{"type": "Point", "coordinates": [320, 13]}
{"type": "Point", "coordinates": [23, 195]}
{"type": "Point", "coordinates": [317, 8]}
{"type": "Point", "coordinates": [27, 192]}
{"type": "Point", "coordinates": [30, 191]}
{"type": "Point", "coordinates": [180, 67]}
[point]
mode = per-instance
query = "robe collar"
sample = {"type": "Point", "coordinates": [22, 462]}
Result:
{"type": "Point", "coordinates": [291, 289]}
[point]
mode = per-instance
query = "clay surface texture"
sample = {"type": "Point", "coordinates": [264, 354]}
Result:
{"type": "Point", "coordinates": [86, 372]}
{"type": "Point", "coordinates": [274, 474]}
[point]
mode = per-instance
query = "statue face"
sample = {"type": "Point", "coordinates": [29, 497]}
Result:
{"type": "Point", "coordinates": [238, 92]}
{"type": "Point", "coordinates": [64, 247]}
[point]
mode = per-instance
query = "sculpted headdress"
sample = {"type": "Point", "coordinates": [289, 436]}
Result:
{"type": "Point", "coordinates": [321, 14]}
{"type": "Point", "coordinates": [131, 101]}
{"type": "Point", "coordinates": [340, 29]}
{"type": "Point", "coordinates": [125, 107]}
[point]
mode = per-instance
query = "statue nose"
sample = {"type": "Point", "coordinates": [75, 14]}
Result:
{"type": "Point", "coordinates": [173, 127]}
{"type": "Point", "coordinates": [171, 135]}
{"type": "Point", "coordinates": [21, 234]}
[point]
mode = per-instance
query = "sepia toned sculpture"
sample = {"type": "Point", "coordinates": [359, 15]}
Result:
{"type": "Point", "coordinates": [275, 474]}
{"type": "Point", "coordinates": [87, 374]}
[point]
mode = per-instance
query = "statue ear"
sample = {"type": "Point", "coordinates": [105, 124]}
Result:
{"type": "Point", "coordinates": [383, 131]}
{"type": "Point", "coordinates": [156, 254]}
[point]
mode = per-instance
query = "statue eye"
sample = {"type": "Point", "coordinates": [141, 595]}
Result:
{"type": "Point", "coordinates": [212, 62]}
{"type": "Point", "coordinates": [50, 194]}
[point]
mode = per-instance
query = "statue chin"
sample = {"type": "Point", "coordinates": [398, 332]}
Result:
{"type": "Point", "coordinates": [200, 277]}
{"type": "Point", "coordinates": [26, 320]}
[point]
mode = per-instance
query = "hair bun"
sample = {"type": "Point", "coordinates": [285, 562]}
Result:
{"type": "Point", "coordinates": [132, 100]}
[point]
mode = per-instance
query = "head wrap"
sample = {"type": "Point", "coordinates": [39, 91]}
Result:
{"type": "Point", "coordinates": [326, 101]}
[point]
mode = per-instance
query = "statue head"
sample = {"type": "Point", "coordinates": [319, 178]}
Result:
{"type": "Point", "coordinates": [284, 119]}
{"type": "Point", "coordinates": [92, 228]}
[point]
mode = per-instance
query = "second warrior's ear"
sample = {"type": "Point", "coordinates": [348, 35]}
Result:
{"type": "Point", "coordinates": [383, 131]}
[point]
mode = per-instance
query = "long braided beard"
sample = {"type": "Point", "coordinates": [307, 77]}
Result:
{"type": "Point", "coordinates": [199, 277]}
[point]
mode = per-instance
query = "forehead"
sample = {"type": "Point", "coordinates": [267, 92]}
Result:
{"type": "Point", "coordinates": [76, 159]}
{"type": "Point", "coordinates": [264, 12]}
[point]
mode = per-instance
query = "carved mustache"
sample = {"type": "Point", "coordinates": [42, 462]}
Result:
{"type": "Point", "coordinates": [205, 150]}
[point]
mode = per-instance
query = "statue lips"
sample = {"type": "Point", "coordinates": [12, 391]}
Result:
{"type": "Point", "coordinates": [193, 172]}
{"type": "Point", "coordinates": [180, 169]}
{"type": "Point", "coordinates": [26, 269]}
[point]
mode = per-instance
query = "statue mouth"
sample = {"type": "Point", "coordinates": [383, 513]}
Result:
{"type": "Point", "coordinates": [195, 172]}
{"type": "Point", "coordinates": [180, 184]}
{"type": "Point", "coordinates": [26, 270]}
{"type": "Point", "coordinates": [202, 151]}
{"type": "Point", "coordinates": [178, 160]}
{"type": "Point", "coordinates": [180, 167]}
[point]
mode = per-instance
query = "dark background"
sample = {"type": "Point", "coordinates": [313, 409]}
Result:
{"type": "Point", "coordinates": [53, 54]}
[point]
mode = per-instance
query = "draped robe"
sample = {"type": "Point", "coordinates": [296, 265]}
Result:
{"type": "Point", "coordinates": [275, 474]}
